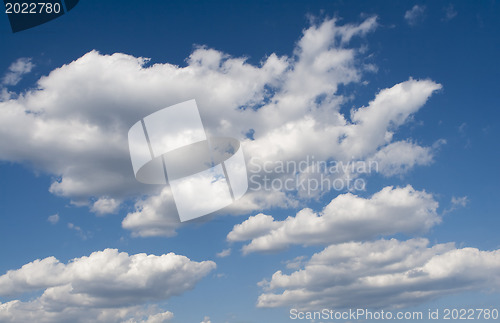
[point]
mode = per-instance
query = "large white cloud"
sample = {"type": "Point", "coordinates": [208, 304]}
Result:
{"type": "Point", "coordinates": [74, 124]}
{"type": "Point", "coordinates": [107, 281]}
{"type": "Point", "coordinates": [346, 218]}
{"type": "Point", "coordinates": [382, 274]}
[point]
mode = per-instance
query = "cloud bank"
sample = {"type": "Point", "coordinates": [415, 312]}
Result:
{"type": "Point", "coordinates": [381, 274]}
{"type": "Point", "coordinates": [107, 286]}
{"type": "Point", "coordinates": [346, 218]}
{"type": "Point", "coordinates": [289, 104]}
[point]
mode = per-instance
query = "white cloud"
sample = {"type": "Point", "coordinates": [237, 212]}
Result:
{"type": "Point", "coordinates": [415, 15]}
{"type": "Point", "coordinates": [206, 319]}
{"type": "Point", "coordinates": [347, 217]}
{"type": "Point", "coordinates": [374, 125]}
{"type": "Point", "coordinates": [92, 158]}
{"type": "Point", "coordinates": [53, 219]}
{"type": "Point", "coordinates": [255, 226]}
{"type": "Point", "coordinates": [79, 133]}
{"type": "Point", "coordinates": [330, 137]}
{"type": "Point", "coordinates": [459, 201]}
{"type": "Point", "coordinates": [398, 157]}
{"type": "Point", "coordinates": [382, 274]}
{"type": "Point", "coordinates": [21, 312]}
{"type": "Point", "coordinates": [295, 263]}
{"type": "Point", "coordinates": [372, 130]}
{"type": "Point", "coordinates": [105, 206]}
{"type": "Point", "coordinates": [154, 216]}
{"type": "Point", "coordinates": [261, 199]}
{"type": "Point", "coordinates": [16, 71]}
{"type": "Point", "coordinates": [159, 317]}
{"type": "Point", "coordinates": [106, 281]}
{"type": "Point", "coordinates": [78, 230]}
{"type": "Point", "coordinates": [224, 253]}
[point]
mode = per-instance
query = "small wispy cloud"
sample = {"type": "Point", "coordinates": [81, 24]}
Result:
{"type": "Point", "coordinates": [296, 263]}
{"type": "Point", "coordinates": [53, 219]}
{"type": "Point", "coordinates": [457, 203]}
{"type": "Point", "coordinates": [415, 15]}
{"type": "Point", "coordinates": [450, 12]}
{"type": "Point", "coordinates": [460, 201]}
{"type": "Point", "coordinates": [224, 253]}
{"type": "Point", "coordinates": [16, 71]}
{"type": "Point", "coordinates": [78, 230]}
{"type": "Point", "coordinates": [462, 128]}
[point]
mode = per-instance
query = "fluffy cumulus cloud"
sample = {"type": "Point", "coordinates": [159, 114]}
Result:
{"type": "Point", "coordinates": [289, 104]}
{"type": "Point", "coordinates": [346, 218]}
{"type": "Point", "coordinates": [73, 125]}
{"type": "Point", "coordinates": [107, 286]}
{"type": "Point", "coordinates": [105, 206]}
{"type": "Point", "coordinates": [382, 273]}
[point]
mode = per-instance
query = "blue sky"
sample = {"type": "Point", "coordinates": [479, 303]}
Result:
{"type": "Point", "coordinates": [410, 85]}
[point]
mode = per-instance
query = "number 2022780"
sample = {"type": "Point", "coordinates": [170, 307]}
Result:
{"type": "Point", "coordinates": [32, 7]}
